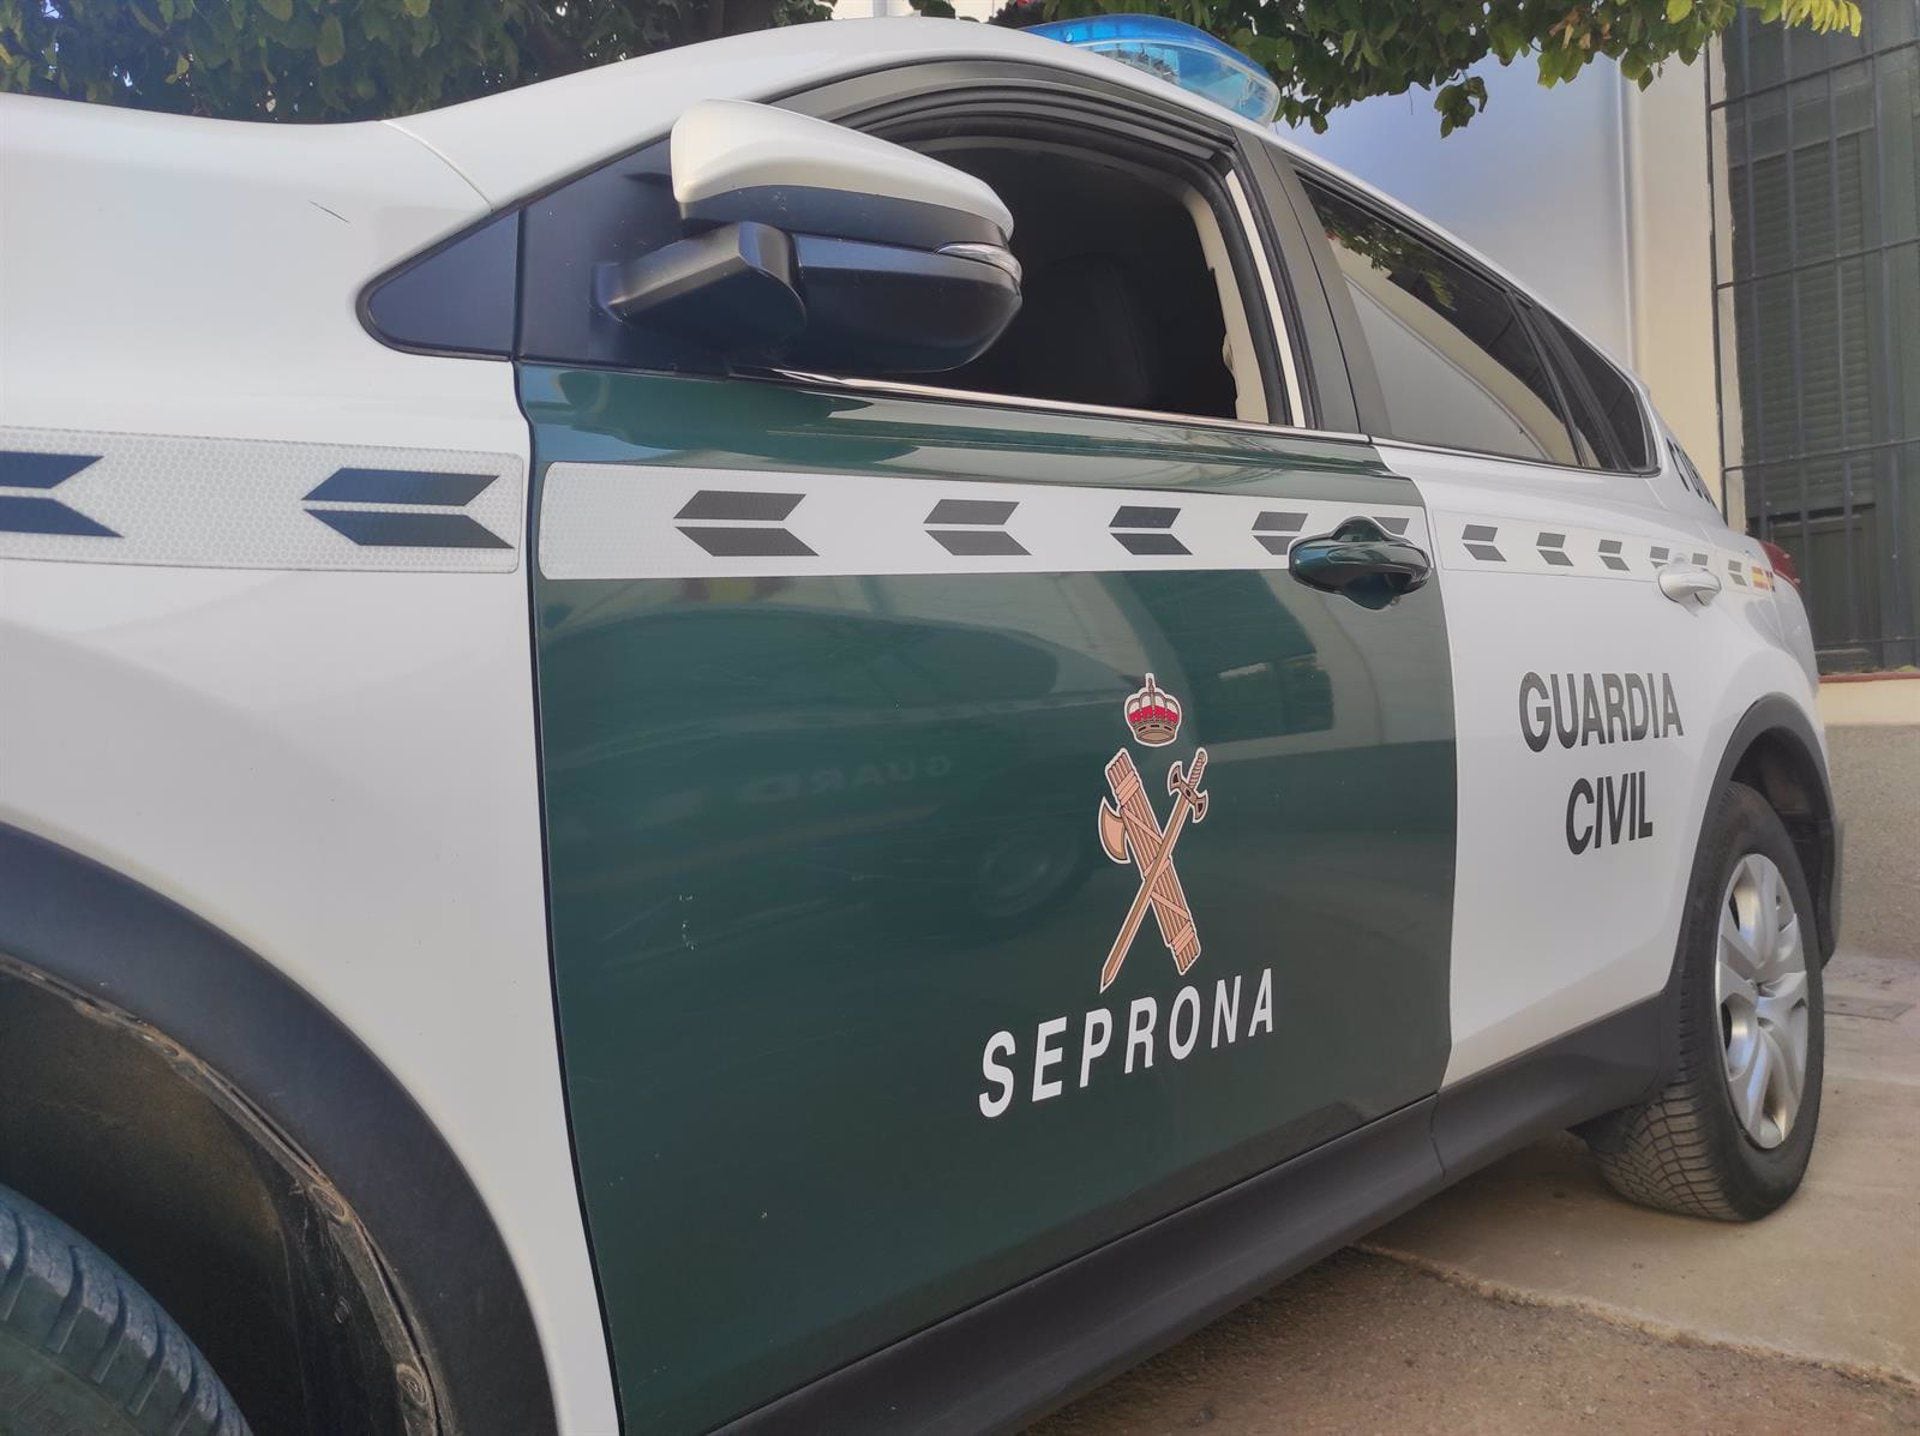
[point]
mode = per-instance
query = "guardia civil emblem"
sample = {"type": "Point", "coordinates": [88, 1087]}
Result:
{"type": "Point", "coordinates": [1130, 832]}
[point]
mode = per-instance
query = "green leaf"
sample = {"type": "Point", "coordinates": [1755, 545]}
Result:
{"type": "Point", "coordinates": [281, 10]}
{"type": "Point", "coordinates": [417, 8]}
{"type": "Point", "coordinates": [1678, 10]}
{"type": "Point", "coordinates": [331, 48]}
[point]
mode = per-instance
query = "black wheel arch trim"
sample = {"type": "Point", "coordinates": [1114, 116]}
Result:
{"type": "Point", "coordinates": [101, 933]}
{"type": "Point", "coordinates": [1777, 713]}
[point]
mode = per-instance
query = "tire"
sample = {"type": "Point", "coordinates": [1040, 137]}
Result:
{"type": "Point", "coordinates": [1697, 1148]}
{"type": "Point", "coordinates": [84, 1351]}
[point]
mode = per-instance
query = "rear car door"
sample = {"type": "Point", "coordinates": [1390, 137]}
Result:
{"type": "Point", "coordinates": [967, 841]}
{"type": "Point", "coordinates": [1592, 693]}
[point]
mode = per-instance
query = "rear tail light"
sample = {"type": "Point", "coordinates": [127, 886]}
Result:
{"type": "Point", "coordinates": [1783, 563]}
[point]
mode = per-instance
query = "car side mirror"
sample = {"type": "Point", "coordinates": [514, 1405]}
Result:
{"type": "Point", "coordinates": [815, 246]}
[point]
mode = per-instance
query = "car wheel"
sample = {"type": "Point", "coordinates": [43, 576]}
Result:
{"type": "Point", "coordinates": [83, 1349]}
{"type": "Point", "coordinates": [1730, 1135]}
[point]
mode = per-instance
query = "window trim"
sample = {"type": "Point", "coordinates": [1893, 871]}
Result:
{"type": "Point", "coordinates": [979, 399]}
{"type": "Point", "coordinates": [1283, 341]}
{"type": "Point", "coordinates": [1584, 471]}
{"type": "Point", "coordinates": [1331, 386]}
{"type": "Point", "coordinates": [1551, 340]}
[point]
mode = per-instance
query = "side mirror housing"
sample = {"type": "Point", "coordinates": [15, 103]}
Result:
{"type": "Point", "coordinates": [820, 247]}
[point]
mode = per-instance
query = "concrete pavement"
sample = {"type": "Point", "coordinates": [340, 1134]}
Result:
{"type": "Point", "coordinates": [1832, 1278]}
{"type": "Point", "coordinates": [1360, 1343]}
{"type": "Point", "coordinates": [1530, 1298]}
{"type": "Point", "coordinates": [1876, 787]}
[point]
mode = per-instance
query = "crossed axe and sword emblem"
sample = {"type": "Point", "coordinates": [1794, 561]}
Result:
{"type": "Point", "coordinates": [1129, 832]}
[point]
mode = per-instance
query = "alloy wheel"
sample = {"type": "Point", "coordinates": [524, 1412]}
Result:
{"type": "Point", "coordinates": [1762, 994]}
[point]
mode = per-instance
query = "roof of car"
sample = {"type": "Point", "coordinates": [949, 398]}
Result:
{"type": "Point", "coordinates": [518, 141]}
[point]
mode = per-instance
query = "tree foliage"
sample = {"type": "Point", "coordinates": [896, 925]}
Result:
{"type": "Point", "coordinates": [356, 59]}
{"type": "Point", "coordinates": [340, 59]}
{"type": "Point", "coordinates": [1329, 53]}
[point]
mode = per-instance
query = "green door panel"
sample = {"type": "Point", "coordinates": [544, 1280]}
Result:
{"type": "Point", "coordinates": [818, 842]}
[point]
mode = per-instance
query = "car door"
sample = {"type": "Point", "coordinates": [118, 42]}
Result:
{"type": "Point", "coordinates": [1595, 629]}
{"type": "Point", "coordinates": [967, 840]}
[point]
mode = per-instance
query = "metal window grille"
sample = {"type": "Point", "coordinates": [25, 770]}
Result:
{"type": "Point", "coordinates": [1817, 314]}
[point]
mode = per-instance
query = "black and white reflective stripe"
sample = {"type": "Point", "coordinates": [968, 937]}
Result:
{"type": "Point", "coordinates": [403, 508]}
{"type": "Point", "coordinates": [643, 521]}
{"type": "Point", "coordinates": [237, 503]}
{"type": "Point", "coordinates": [34, 511]}
{"type": "Point", "coordinates": [1276, 531]}
{"type": "Point", "coordinates": [1553, 550]}
{"type": "Point", "coordinates": [1489, 545]}
{"type": "Point", "coordinates": [742, 524]}
{"type": "Point", "coordinates": [1478, 541]}
{"type": "Point", "coordinates": [981, 527]}
{"type": "Point", "coordinates": [1147, 529]}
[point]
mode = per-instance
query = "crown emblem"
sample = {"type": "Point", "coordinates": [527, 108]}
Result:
{"type": "Point", "coordinates": [1154, 715]}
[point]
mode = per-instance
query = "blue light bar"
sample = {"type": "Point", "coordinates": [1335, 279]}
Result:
{"type": "Point", "coordinates": [1177, 53]}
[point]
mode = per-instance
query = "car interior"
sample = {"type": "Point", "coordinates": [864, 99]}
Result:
{"type": "Point", "coordinates": [1129, 295]}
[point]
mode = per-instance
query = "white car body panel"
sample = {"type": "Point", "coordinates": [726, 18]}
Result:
{"type": "Point", "coordinates": [1544, 940]}
{"type": "Point", "coordinates": [336, 768]}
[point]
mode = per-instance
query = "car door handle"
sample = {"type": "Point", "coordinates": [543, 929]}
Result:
{"type": "Point", "coordinates": [1689, 583]}
{"type": "Point", "coordinates": [1361, 561]}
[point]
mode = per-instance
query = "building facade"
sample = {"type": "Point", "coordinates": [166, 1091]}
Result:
{"type": "Point", "coordinates": [1817, 304]}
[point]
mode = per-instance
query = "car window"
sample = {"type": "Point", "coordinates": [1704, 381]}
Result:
{"type": "Point", "coordinates": [1606, 411]}
{"type": "Point", "coordinates": [1129, 298]}
{"type": "Point", "coordinates": [1457, 363]}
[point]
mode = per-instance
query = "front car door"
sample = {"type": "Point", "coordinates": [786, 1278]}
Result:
{"type": "Point", "coordinates": [967, 842]}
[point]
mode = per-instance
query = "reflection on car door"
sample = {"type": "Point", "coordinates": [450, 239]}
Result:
{"type": "Point", "coordinates": [835, 689]}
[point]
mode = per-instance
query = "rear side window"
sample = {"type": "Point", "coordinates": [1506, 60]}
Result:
{"type": "Point", "coordinates": [1457, 363]}
{"type": "Point", "coordinates": [1606, 411]}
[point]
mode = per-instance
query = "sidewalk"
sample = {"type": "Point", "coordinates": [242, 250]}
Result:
{"type": "Point", "coordinates": [1832, 1278]}
{"type": "Point", "coordinates": [1531, 1299]}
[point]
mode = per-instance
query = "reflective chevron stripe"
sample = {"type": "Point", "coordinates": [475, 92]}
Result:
{"type": "Point", "coordinates": [231, 503]}
{"type": "Point", "coordinates": [988, 536]}
{"type": "Point", "coordinates": [740, 524]}
{"type": "Point", "coordinates": [37, 513]}
{"type": "Point", "coordinates": [1142, 529]}
{"type": "Point", "coordinates": [646, 521]}
{"type": "Point", "coordinates": [1582, 553]}
{"type": "Point", "coordinates": [429, 525]}
{"type": "Point", "coordinates": [1275, 532]}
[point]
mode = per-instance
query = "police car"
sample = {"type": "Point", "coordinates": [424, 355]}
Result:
{"type": "Point", "coordinates": [824, 734]}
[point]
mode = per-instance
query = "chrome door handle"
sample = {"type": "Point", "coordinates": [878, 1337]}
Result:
{"type": "Point", "coordinates": [1684, 582]}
